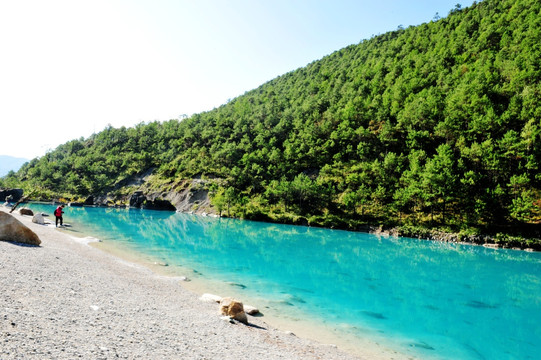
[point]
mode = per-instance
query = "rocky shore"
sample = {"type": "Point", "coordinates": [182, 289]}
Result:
{"type": "Point", "coordinates": [491, 241]}
{"type": "Point", "coordinates": [65, 299]}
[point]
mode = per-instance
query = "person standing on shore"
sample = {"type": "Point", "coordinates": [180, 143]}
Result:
{"type": "Point", "coordinates": [58, 214]}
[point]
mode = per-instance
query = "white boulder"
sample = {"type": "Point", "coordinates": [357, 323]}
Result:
{"type": "Point", "coordinates": [38, 219]}
{"type": "Point", "coordinates": [251, 310]}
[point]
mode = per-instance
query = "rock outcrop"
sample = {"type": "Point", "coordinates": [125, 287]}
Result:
{"type": "Point", "coordinates": [192, 197]}
{"type": "Point", "coordinates": [16, 194]}
{"type": "Point", "coordinates": [140, 201]}
{"type": "Point", "coordinates": [137, 200]}
{"type": "Point", "coordinates": [103, 200]}
{"type": "Point", "coordinates": [234, 309]}
{"type": "Point", "coordinates": [186, 196]}
{"type": "Point", "coordinates": [159, 204]}
{"type": "Point", "coordinates": [13, 230]}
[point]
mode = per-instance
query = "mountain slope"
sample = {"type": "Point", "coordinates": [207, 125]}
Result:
{"type": "Point", "coordinates": [439, 123]}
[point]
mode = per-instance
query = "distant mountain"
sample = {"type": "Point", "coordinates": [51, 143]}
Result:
{"type": "Point", "coordinates": [8, 163]}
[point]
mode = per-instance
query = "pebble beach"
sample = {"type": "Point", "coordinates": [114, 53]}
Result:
{"type": "Point", "coordinates": [66, 299]}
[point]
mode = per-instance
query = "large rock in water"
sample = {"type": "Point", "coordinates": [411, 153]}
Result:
{"type": "Point", "coordinates": [234, 309]}
{"type": "Point", "coordinates": [13, 230]}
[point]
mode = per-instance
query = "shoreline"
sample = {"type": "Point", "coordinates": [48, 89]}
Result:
{"type": "Point", "coordinates": [494, 241]}
{"type": "Point", "coordinates": [297, 323]}
{"type": "Point", "coordinates": [135, 285]}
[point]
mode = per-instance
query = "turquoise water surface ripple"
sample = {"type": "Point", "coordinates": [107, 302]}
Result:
{"type": "Point", "coordinates": [428, 299]}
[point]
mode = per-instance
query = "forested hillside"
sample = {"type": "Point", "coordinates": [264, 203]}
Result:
{"type": "Point", "coordinates": [434, 124]}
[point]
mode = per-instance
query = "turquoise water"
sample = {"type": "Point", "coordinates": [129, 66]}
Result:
{"type": "Point", "coordinates": [429, 299]}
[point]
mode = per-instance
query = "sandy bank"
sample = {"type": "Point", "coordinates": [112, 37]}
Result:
{"type": "Point", "coordinates": [66, 299]}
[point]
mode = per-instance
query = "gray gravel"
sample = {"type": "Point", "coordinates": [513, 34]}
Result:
{"type": "Point", "coordinates": [68, 300]}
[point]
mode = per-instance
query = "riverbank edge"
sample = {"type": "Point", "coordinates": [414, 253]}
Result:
{"type": "Point", "coordinates": [499, 240]}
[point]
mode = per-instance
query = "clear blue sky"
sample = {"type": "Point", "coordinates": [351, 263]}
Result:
{"type": "Point", "coordinates": [68, 68]}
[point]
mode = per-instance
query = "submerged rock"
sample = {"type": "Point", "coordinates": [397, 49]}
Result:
{"type": "Point", "coordinates": [240, 286]}
{"type": "Point", "coordinates": [375, 315]}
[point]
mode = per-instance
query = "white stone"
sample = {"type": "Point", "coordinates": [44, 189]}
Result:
{"type": "Point", "coordinates": [228, 319]}
{"type": "Point", "coordinates": [38, 219]}
{"type": "Point", "coordinates": [251, 310]}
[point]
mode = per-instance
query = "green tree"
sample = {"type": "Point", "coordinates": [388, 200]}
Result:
{"type": "Point", "coordinates": [440, 179]}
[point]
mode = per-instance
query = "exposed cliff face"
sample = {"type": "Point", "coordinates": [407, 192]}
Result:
{"type": "Point", "coordinates": [195, 198]}
{"type": "Point", "coordinates": [140, 191]}
{"type": "Point", "coordinates": [12, 195]}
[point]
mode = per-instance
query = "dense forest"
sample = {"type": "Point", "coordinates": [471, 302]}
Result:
{"type": "Point", "coordinates": [437, 124]}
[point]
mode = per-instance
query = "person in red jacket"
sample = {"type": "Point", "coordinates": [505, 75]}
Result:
{"type": "Point", "coordinates": [58, 214]}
